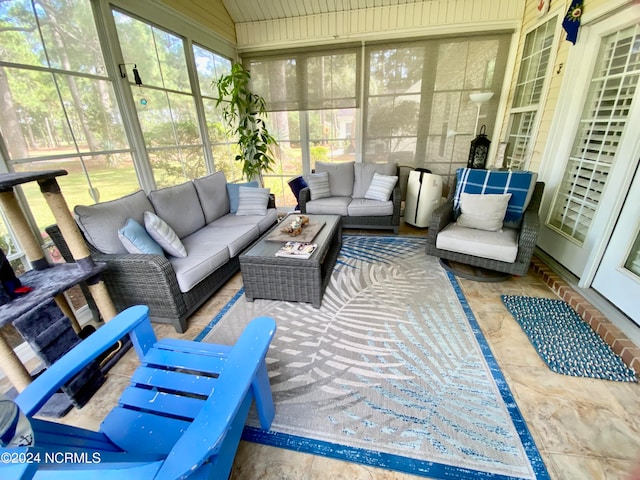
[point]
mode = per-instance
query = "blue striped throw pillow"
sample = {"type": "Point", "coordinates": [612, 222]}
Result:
{"type": "Point", "coordinates": [381, 187]}
{"type": "Point", "coordinates": [319, 185]}
{"type": "Point", "coordinates": [162, 233]}
{"type": "Point", "coordinates": [252, 201]}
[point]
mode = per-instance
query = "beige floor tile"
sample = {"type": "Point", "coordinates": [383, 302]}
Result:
{"type": "Point", "coordinates": [584, 428]}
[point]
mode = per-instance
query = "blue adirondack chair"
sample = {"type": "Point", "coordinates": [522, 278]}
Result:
{"type": "Point", "coordinates": [181, 416]}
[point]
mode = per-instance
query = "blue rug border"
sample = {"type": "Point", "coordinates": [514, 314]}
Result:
{"type": "Point", "coordinates": [397, 462]}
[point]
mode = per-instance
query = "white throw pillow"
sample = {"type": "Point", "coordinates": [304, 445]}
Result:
{"type": "Point", "coordinates": [381, 187]}
{"type": "Point", "coordinates": [483, 211]}
{"type": "Point", "coordinates": [252, 201]}
{"type": "Point", "coordinates": [162, 233]}
{"type": "Point", "coordinates": [319, 185]}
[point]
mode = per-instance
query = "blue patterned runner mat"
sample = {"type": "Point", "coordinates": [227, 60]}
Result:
{"type": "Point", "coordinates": [564, 341]}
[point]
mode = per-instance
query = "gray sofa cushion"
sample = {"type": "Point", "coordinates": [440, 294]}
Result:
{"type": "Point", "coordinates": [100, 222]}
{"type": "Point", "coordinates": [212, 193]}
{"type": "Point", "coordinates": [363, 173]}
{"type": "Point", "coordinates": [238, 237]}
{"type": "Point", "coordinates": [179, 206]}
{"type": "Point", "coordinates": [501, 245]}
{"type": "Point", "coordinates": [329, 206]}
{"type": "Point", "coordinates": [206, 253]}
{"type": "Point", "coordinates": [263, 222]}
{"type": "Point", "coordinates": [341, 177]}
{"type": "Point", "coordinates": [363, 207]}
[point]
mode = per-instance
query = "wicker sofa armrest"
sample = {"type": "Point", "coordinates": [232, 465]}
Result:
{"type": "Point", "coordinates": [139, 278]}
{"type": "Point", "coordinates": [303, 197]}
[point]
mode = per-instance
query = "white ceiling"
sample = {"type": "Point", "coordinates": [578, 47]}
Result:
{"type": "Point", "coordinates": [256, 10]}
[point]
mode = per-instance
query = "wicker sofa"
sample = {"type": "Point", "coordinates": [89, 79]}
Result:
{"type": "Point", "coordinates": [517, 239]}
{"type": "Point", "coordinates": [349, 182]}
{"type": "Point", "coordinates": [199, 212]}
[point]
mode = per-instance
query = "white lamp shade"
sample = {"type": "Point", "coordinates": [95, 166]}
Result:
{"type": "Point", "coordinates": [480, 97]}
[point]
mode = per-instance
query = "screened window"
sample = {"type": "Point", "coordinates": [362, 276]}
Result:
{"type": "Point", "coordinates": [210, 66]}
{"type": "Point", "coordinates": [603, 120]}
{"type": "Point", "coordinates": [533, 71]}
{"type": "Point", "coordinates": [164, 102]}
{"type": "Point", "coordinates": [417, 107]}
{"type": "Point", "coordinates": [312, 97]}
{"type": "Point", "coordinates": [58, 105]}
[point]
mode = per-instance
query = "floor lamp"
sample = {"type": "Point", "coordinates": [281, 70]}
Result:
{"type": "Point", "coordinates": [479, 98]}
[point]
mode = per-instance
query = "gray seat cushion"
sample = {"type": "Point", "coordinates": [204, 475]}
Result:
{"type": "Point", "coordinates": [179, 206]}
{"type": "Point", "coordinates": [206, 253]}
{"type": "Point", "coordinates": [363, 173]}
{"type": "Point", "coordinates": [501, 245]}
{"type": "Point", "coordinates": [341, 177]}
{"type": "Point", "coordinates": [212, 193]}
{"type": "Point", "coordinates": [330, 206]}
{"type": "Point", "coordinates": [100, 222]}
{"type": "Point", "coordinates": [263, 222]}
{"type": "Point", "coordinates": [364, 207]}
{"type": "Point", "coordinates": [238, 237]}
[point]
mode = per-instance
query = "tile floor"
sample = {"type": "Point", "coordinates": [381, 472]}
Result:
{"type": "Point", "coordinates": [584, 428]}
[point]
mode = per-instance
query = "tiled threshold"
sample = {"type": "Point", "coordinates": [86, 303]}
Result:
{"type": "Point", "coordinates": [611, 334]}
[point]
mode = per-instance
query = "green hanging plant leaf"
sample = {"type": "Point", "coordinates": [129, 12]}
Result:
{"type": "Point", "coordinates": [241, 111]}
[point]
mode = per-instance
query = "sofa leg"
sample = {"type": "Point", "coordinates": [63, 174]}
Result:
{"type": "Point", "coordinates": [180, 325]}
{"type": "Point", "coordinates": [395, 230]}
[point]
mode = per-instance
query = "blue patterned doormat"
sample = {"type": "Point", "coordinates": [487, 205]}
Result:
{"type": "Point", "coordinates": [564, 341]}
{"type": "Point", "coordinates": [392, 371]}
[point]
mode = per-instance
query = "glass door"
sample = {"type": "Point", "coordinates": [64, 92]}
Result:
{"type": "Point", "coordinates": [601, 159]}
{"type": "Point", "coordinates": [618, 277]}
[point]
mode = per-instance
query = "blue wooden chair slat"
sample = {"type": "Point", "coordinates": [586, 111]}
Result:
{"type": "Point", "coordinates": [59, 435]}
{"type": "Point", "coordinates": [150, 435]}
{"type": "Point", "coordinates": [139, 432]}
{"type": "Point", "coordinates": [205, 364]}
{"type": "Point", "coordinates": [161, 403]}
{"type": "Point", "coordinates": [201, 348]}
{"type": "Point", "coordinates": [168, 380]}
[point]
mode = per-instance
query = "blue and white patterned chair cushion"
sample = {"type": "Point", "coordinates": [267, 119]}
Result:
{"type": "Point", "coordinates": [519, 184]}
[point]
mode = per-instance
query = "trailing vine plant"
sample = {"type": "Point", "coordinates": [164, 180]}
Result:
{"type": "Point", "coordinates": [242, 110]}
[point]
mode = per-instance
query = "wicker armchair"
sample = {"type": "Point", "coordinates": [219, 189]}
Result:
{"type": "Point", "coordinates": [527, 237]}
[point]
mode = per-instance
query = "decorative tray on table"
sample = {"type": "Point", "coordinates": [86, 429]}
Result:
{"type": "Point", "coordinates": [295, 227]}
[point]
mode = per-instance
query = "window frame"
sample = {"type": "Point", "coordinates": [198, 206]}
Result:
{"type": "Point", "coordinates": [538, 107]}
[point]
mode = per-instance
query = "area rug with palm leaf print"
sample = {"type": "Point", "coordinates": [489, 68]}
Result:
{"type": "Point", "coordinates": [392, 371]}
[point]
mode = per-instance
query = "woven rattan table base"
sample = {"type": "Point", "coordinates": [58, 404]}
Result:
{"type": "Point", "coordinates": [291, 279]}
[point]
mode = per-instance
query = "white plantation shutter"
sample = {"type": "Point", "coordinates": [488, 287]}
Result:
{"type": "Point", "coordinates": [603, 120]}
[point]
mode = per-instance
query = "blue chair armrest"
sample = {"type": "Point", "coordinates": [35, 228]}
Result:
{"type": "Point", "coordinates": [134, 320]}
{"type": "Point", "coordinates": [244, 369]}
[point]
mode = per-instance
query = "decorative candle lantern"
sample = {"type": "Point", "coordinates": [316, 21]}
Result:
{"type": "Point", "coordinates": [479, 150]}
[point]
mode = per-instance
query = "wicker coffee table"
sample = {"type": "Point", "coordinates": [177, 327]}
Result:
{"type": "Point", "coordinates": [292, 279]}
